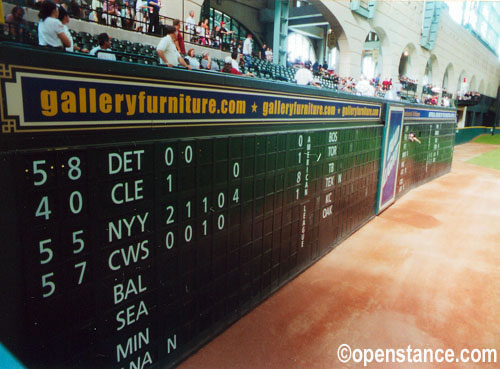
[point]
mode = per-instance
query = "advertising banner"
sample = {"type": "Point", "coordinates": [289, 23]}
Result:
{"type": "Point", "coordinates": [40, 102]}
{"type": "Point", "coordinates": [390, 157]}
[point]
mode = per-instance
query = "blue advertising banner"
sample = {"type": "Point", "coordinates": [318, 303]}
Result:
{"type": "Point", "coordinates": [390, 157]}
{"type": "Point", "coordinates": [428, 114]}
{"type": "Point", "coordinates": [61, 101]}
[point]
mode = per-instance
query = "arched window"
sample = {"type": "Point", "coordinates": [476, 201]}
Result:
{"type": "Point", "coordinates": [370, 57]}
{"type": "Point", "coordinates": [333, 58]}
{"type": "Point", "coordinates": [300, 48]}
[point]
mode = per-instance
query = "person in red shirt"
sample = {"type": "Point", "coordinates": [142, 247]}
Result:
{"type": "Point", "coordinates": [179, 42]}
{"type": "Point", "coordinates": [228, 68]}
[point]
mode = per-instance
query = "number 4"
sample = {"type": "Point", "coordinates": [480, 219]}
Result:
{"type": "Point", "coordinates": [236, 196]}
{"type": "Point", "coordinates": [43, 208]}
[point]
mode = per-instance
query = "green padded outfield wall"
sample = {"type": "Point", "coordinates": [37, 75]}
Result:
{"type": "Point", "coordinates": [430, 156]}
{"type": "Point", "coordinates": [144, 209]}
{"type": "Point", "coordinates": [467, 134]}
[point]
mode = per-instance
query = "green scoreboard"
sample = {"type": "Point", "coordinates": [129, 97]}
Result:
{"type": "Point", "coordinates": [144, 209]}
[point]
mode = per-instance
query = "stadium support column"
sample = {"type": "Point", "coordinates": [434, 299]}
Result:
{"type": "Point", "coordinates": [281, 9]}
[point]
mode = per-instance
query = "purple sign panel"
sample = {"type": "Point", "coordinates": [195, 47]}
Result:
{"type": "Point", "coordinates": [390, 159]}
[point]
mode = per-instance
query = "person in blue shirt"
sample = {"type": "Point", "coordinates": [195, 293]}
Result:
{"type": "Point", "coordinates": [154, 21]}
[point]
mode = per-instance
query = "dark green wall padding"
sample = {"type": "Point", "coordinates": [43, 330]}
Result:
{"type": "Point", "coordinates": [463, 135]}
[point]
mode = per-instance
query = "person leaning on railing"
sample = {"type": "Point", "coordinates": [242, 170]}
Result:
{"type": "Point", "coordinates": [50, 29]}
{"type": "Point", "coordinates": [104, 44]}
{"type": "Point", "coordinates": [64, 18]}
{"type": "Point", "coordinates": [167, 51]}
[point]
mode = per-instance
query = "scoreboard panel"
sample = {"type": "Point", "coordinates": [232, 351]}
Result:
{"type": "Point", "coordinates": [427, 158]}
{"type": "Point", "coordinates": [132, 254]}
{"type": "Point", "coordinates": [146, 209]}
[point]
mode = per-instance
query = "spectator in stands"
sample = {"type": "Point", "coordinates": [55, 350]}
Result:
{"type": "Point", "coordinates": [154, 16]}
{"type": "Point", "coordinates": [199, 31]}
{"type": "Point", "coordinates": [94, 16]}
{"type": "Point", "coordinates": [206, 29]}
{"type": "Point", "coordinates": [269, 55]}
{"type": "Point", "coordinates": [104, 44]}
{"type": "Point", "coordinates": [15, 22]}
{"type": "Point", "coordinates": [64, 18]}
{"type": "Point", "coordinates": [390, 93]}
{"type": "Point", "coordinates": [193, 61]}
{"type": "Point", "coordinates": [304, 76]}
{"type": "Point", "coordinates": [50, 29]}
{"type": "Point", "coordinates": [75, 8]}
{"type": "Point", "coordinates": [216, 37]}
{"type": "Point", "coordinates": [112, 11]}
{"type": "Point", "coordinates": [234, 60]}
{"type": "Point", "coordinates": [364, 87]}
{"type": "Point", "coordinates": [247, 49]}
{"type": "Point", "coordinates": [179, 43]}
{"type": "Point", "coordinates": [262, 51]}
{"type": "Point", "coordinates": [206, 62]}
{"type": "Point", "coordinates": [128, 18]}
{"type": "Point", "coordinates": [168, 52]}
{"type": "Point", "coordinates": [228, 68]}
{"type": "Point", "coordinates": [190, 24]}
{"type": "Point", "coordinates": [141, 15]}
{"type": "Point", "coordinates": [224, 33]}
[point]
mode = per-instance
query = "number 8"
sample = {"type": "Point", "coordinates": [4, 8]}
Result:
{"type": "Point", "coordinates": [74, 167]}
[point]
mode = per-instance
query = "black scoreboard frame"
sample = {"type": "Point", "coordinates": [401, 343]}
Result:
{"type": "Point", "coordinates": [164, 228]}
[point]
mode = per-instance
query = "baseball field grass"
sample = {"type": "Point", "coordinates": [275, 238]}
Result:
{"type": "Point", "coordinates": [488, 139]}
{"type": "Point", "coordinates": [490, 159]}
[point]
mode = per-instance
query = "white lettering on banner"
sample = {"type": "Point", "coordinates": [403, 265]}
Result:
{"type": "Point", "coordinates": [134, 344]}
{"type": "Point", "coordinates": [132, 254]}
{"type": "Point", "coordinates": [142, 362]}
{"type": "Point", "coordinates": [308, 153]}
{"type": "Point", "coordinates": [172, 343]}
{"type": "Point", "coordinates": [125, 161]}
{"type": "Point", "coordinates": [329, 181]}
{"type": "Point", "coordinates": [328, 198]}
{"type": "Point", "coordinates": [129, 195]}
{"type": "Point", "coordinates": [303, 228]}
{"type": "Point", "coordinates": [332, 151]}
{"type": "Point", "coordinates": [332, 137]}
{"type": "Point", "coordinates": [327, 211]}
{"type": "Point", "coordinates": [121, 291]}
{"type": "Point", "coordinates": [116, 229]}
{"type": "Point", "coordinates": [130, 315]}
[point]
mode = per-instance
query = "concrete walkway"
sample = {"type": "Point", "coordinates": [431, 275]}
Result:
{"type": "Point", "coordinates": [426, 273]}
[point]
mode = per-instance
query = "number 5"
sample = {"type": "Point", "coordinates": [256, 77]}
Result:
{"type": "Point", "coordinates": [50, 284]}
{"type": "Point", "coordinates": [42, 172]}
{"type": "Point", "coordinates": [46, 250]}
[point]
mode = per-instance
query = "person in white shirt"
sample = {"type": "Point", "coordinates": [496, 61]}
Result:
{"type": "Point", "coordinates": [167, 51]}
{"type": "Point", "coordinates": [64, 18]}
{"type": "Point", "coordinates": [190, 24]}
{"type": "Point", "coordinates": [50, 29]}
{"type": "Point", "coordinates": [269, 55]}
{"type": "Point", "coordinates": [234, 60]}
{"type": "Point", "coordinates": [304, 76]}
{"type": "Point", "coordinates": [247, 49]}
{"type": "Point", "coordinates": [104, 44]}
